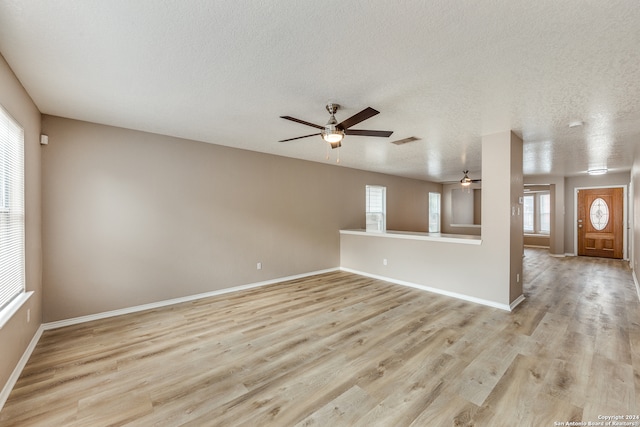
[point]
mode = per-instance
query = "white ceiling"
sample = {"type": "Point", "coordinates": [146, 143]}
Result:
{"type": "Point", "coordinates": [445, 71]}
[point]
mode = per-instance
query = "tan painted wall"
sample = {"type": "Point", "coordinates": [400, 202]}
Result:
{"type": "Point", "coordinates": [536, 240]}
{"type": "Point", "coordinates": [449, 267]}
{"type": "Point", "coordinates": [516, 225]}
{"type": "Point", "coordinates": [132, 218]}
{"type": "Point", "coordinates": [17, 333]}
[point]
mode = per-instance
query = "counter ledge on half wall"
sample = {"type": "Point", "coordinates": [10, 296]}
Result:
{"type": "Point", "coordinates": [416, 235]}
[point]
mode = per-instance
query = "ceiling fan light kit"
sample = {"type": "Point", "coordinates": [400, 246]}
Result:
{"type": "Point", "coordinates": [332, 135]}
{"type": "Point", "coordinates": [466, 181]}
{"type": "Point", "coordinates": [334, 132]}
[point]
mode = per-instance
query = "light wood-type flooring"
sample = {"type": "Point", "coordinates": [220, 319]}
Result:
{"type": "Point", "coordinates": [344, 350]}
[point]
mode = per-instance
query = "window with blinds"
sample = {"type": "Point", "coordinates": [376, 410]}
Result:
{"type": "Point", "coordinates": [12, 265]}
{"type": "Point", "coordinates": [537, 213]}
{"type": "Point", "coordinates": [434, 212]}
{"type": "Point", "coordinates": [376, 208]}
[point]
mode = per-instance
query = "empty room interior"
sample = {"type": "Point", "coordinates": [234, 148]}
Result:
{"type": "Point", "coordinates": [336, 213]}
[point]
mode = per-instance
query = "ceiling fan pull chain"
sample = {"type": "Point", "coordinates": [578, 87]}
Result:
{"type": "Point", "coordinates": [327, 147]}
{"type": "Point", "coordinates": [338, 159]}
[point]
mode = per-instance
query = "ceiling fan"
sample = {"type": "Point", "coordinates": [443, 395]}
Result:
{"type": "Point", "coordinates": [333, 132]}
{"type": "Point", "coordinates": [466, 181]}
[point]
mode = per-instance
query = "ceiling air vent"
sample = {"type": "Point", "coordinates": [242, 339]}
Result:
{"type": "Point", "coordinates": [405, 140]}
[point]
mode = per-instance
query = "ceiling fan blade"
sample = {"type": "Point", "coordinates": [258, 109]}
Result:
{"type": "Point", "coordinates": [293, 119]}
{"type": "Point", "coordinates": [362, 132]}
{"type": "Point", "coordinates": [299, 137]}
{"type": "Point", "coordinates": [358, 117]}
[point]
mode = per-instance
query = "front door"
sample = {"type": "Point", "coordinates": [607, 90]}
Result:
{"type": "Point", "coordinates": [600, 222]}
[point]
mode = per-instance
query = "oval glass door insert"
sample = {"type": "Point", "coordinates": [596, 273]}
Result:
{"type": "Point", "coordinates": [599, 214]}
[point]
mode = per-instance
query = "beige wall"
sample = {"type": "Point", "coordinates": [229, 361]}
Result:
{"type": "Point", "coordinates": [536, 241]}
{"type": "Point", "coordinates": [571, 183]}
{"type": "Point", "coordinates": [17, 333]}
{"type": "Point", "coordinates": [132, 218]}
{"type": "Point", "coordinates": [444, 266]}
{"type": "Point", "coordinates": [516, 241]}
{"type": "Point", "coordinates": [447, 212]}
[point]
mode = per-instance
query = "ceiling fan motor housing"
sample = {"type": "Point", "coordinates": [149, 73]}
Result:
{"type": "Point", "coordinates": [331, 132]}
{"type": "Point", "coordinates": [333, 108]}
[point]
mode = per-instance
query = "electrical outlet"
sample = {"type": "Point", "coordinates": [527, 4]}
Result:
{"type": "Point", "coordinates": [28, 315]}
{"type": "Point", "coordinates": [384, 261]}
{"type": "Point", "coordinates": [517, 277]}
{"type": "Point", "coordinates": [259, 266]}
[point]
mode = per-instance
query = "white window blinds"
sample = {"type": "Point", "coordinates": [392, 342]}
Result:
{"type": "Point", "coordinates": [434, 212]}
{"type": "Point", "coordinates": [12, 270]}
{"type": "Point", "coordinates": [376, 208]}
{"type": "Point", "coordinates": [528, 214]}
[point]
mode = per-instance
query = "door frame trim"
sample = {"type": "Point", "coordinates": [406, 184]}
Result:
{"type": "Point", "coordinates": [625, 219]}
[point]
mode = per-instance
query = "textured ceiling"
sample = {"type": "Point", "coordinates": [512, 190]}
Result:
{"type": "Point", "coordinates": [446, 72]}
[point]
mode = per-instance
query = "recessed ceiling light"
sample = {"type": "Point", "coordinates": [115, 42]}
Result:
{"type": "Point", "coordinates": [576, 123]}
{"type": "Point", "coordinates": [600, 171]}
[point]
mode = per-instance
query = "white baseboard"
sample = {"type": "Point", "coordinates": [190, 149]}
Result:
{"type": "Point", "coordinates": [569, 254]}
{"type": "Point", "coordinates": [516, 302]}
{"type": "Point", "coordinates": [635, 280]}
{"type": "Point", "coordinates": [13, 379]}
{"type": "Point", "coordinates": [558, 255]}
{"type": "Point", "coordinates": [150, 306]}
{"type": "Point", "coordinates": [469, 298]}
{"type": "Point", "coordinates": [11, 382]}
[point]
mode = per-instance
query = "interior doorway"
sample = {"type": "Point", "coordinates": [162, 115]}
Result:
{"type": "Point", "coordinates": [600, 222]}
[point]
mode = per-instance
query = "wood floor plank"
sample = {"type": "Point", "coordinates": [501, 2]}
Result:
{"type": "Point", "coordinates": [449, 409]}
{"type": "Point", "coordinates": [340, 349]}
{"type": "Point", "coordinates": [477, 381]}
{"type": "Point", "coordinates": [611, 386]}
{"type": "Point", "coordinates": [410, 392]}
{"type": "Point", "coordinates": [515, 391]}
{"type": "Point", "coordinates": [345, 410]}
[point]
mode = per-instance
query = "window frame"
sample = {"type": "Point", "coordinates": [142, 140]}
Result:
{"type": "Point", "coordinates": [437, 225]}
{"type": "Point", "coordinates": [537, 230]}
{"type": "Point", "coordinates": [13, 293]}
{"type": "Point", "coordinates": [376, 219]}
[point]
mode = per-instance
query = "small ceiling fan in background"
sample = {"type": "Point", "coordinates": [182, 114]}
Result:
{"type": "Point", "coordinates": [333, 132]}
{"type": "Point", "coordinates": [466, 181]}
